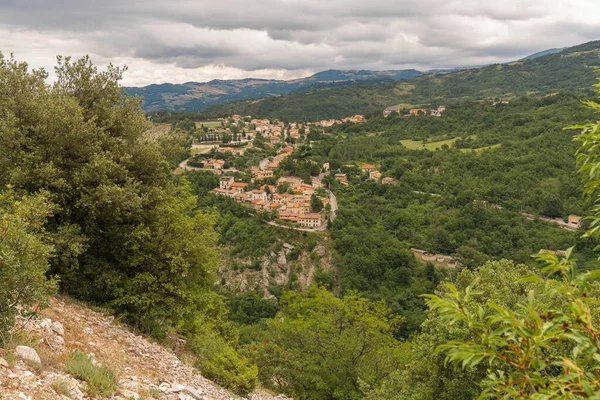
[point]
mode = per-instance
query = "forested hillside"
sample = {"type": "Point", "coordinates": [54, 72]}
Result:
{"type": "Point", "coordinates": [569, 69]}
{"type": "Point", "coordinates": [194, 96]}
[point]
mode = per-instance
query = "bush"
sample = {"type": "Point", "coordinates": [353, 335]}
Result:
{"type": "Point", "coordinates": [100, 379]}
{"type": "Point", "coordinates": [324, 278]}
{"type": "Point", "coordinates": [220, 362]}
{"type": "Point", "coordinates": [24, 256]}
{"type": "Point", "coordinates": [232, 371]}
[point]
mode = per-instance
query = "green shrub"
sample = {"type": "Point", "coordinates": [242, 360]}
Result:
{"type": "Point", "coordinates": [324, 278]}
{"type": "Point", "coordinates": [256, 265]}
{"type": "Point", "coordinates": [221, 363]}
{"type": "Point", "coordinates": [100, 379]}
{"type": "Point", "coordinates": [294, 254]}
{"type": "Point", "coordinates": [61, 387]}
{"type": "Point", "coordinates": [232, 371]}
{"type": "Point", "coordinates": [24, 256]}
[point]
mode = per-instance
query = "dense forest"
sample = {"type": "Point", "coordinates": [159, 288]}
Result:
{"type": "Point", "coordinates": [570, 69]}
{"type": "Point", "coordinates": [89, 207]}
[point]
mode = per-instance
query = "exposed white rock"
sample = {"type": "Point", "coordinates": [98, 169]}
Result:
{"type": "Point", "coordinates": [58, 328]}
{"type": "Point", "coordinates": [144, 369]}
{"type": "Point", "coordinates": [46, 324]}
{"type": "Point", "coordinates": [193, 392]}
{"type": "Point", "coordinates": [59, 340]}
{"type": "Point", "coordinates": [128, 394]}
{"type": "Point", "coordinates": [28, 354]}
{"type": "Point", "coordinates": [281, 261]}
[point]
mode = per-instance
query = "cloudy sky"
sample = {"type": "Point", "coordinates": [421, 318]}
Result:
{"type": "Point", "coordinates": [199, 40]}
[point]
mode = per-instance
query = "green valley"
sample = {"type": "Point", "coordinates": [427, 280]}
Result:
{"type": "Point", "coordinates": [311, 244]}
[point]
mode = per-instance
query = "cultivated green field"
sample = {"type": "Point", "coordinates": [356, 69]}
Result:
{"type": "Point", "coordinates": [208, 124]}
{"type": "Point", "coordinates": [201, 148]}
{"type": "Point", "coordinates": [480, 149]}
{"type": "Point", "coordinates": [419, 145]}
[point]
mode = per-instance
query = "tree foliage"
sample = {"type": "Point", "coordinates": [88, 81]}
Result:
{"type": "Point", "coordinates": [323, 347]}
{"type": "Point", "coordinates": [122, 229]}
{"type": "Point", "coordinates": [24, 256]}
{"type": "Point", "coordinates": [547, 344]}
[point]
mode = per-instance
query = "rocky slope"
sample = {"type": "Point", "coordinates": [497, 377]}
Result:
{"type": "Point", "coordinates": [32, 366]}
{"type": "Point", "coordinates": [288, 266]}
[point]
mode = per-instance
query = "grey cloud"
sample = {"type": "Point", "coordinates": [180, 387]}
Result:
{"type": "Point", "coordinates": [306, 34]}
{"type": "Point", "coordinates": [169, 54]}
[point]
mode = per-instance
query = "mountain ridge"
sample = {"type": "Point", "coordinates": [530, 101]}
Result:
{"type": "Point", "coordinates": [194, 96]}
{"type": "Point", "coordinates": [197, 96]}
{"type": "Point", "coordinates": [568, 70]}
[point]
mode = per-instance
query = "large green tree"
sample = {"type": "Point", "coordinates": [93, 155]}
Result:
{"type": "Point", "coordinates": [324, 347]}
{"type": "Point", "coordinates": [123, 230]}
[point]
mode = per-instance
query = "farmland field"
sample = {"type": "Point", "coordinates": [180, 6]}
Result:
{"type": "Point", "coordinates": [419, 145]}
{"type": "Point", "coordinates": [208, 124]}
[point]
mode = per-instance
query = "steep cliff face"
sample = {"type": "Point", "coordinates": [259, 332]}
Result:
{"type": "Point", "coordinates": [34, 364]}
{"type": "Point", "coordinates": [286, 266]}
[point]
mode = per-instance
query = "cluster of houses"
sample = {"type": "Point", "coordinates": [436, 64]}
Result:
{"type": "Point", "coordinates": [213, 163]}
{"type": "Point", "coordinates": [293, 207]}
{"type": "Point", "coordinates": [437, 112]}
{"type": "Point", "coordinates": [277, 130]}
{"type": "Point", "coordinates": [355, 119]}
{"type": "Point", "coordinates": [440, 260]}
{"type": "Point", "coordinates": [373, 172]}
{"type": "Point", "coordinates": [266, 167]}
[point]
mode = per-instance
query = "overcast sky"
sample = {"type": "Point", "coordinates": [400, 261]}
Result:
{"type": "Point", "coordinates": [199, 40]}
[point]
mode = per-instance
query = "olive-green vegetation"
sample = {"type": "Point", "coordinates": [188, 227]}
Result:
{"type": "Point", "coordinates": [124, 233]}
{"type": "Point", "coordinates": [505, 331]}
{"type": "Point", "coordinates": [324, 347]}
{"type": "Point", "coordinates": [570, 69]}
{"type": "Point", "coordinates": [378, 224]}
{"type": "Point", "coordinates": [24, 254]}
{"type": "Point", "coordinates": [531, 167]}
{"type": "Point", "coordinates": [428, 376]}
{"type": "Point", "coordinates": [545, 345]}
{"type": "Point", "coordinates": [100, 380]}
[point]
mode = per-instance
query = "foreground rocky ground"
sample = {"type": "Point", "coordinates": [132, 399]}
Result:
{"type": "Point", "coordinates": [144, 370]}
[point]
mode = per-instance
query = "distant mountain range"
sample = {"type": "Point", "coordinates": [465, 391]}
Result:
{"type": "Point", "coordinates": [567, 70]}
{"type": "Point", "coordinates": [193, 96]}
{"type": "Point", "coordinates": [542, 53]}
{"type": "Point", "coordinates": [197, 96]}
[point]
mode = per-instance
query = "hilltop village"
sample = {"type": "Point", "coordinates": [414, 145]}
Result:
{"type": "Point", "coordinates": [253, 159]}
{"type": "Point", "coordinates": [255, 162]}
{"type": "Point", "coordinates": [260, 164]}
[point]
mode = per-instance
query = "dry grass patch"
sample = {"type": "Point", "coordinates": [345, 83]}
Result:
{"type": "Point", "coordinates": [61, 387]}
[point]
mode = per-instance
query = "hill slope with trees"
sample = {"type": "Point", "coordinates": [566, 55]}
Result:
{"type": "Point", "coordinates": [570, 69]}
{"type": "Point", "coordinates": [194, 96]}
